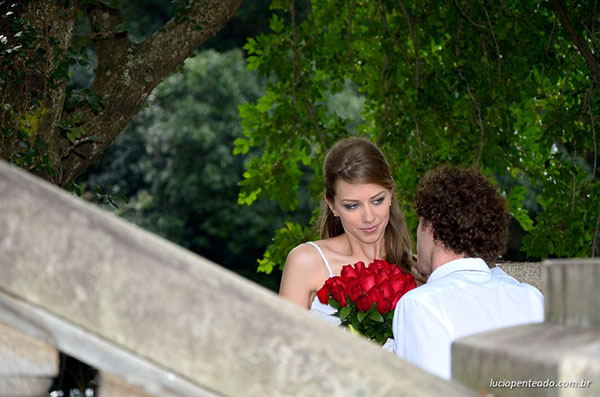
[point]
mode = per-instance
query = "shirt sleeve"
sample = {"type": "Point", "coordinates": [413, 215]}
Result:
{"type": "Point", "coordinates": [421, 335]}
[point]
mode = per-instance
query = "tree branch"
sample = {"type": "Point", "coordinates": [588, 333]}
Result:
{"type": "Point", "coordinates": [592, 122]}
{"type": "Point", "coordinates": [413, 36]}
{"type": "Point", "coordinates": [595, 242]}
{"type": "Point", "coordinates": [128, 72]}
{"type": "Point", "coordinates": [491, 27]}
{"type": "Point", "coordinates": [581, 45]}
{"type": "Point", "coordinates": [478, 114]}
{"type": "Point", "coordinates": [296, 78]}
{"type": "Point", "coordinates": [465, 16]}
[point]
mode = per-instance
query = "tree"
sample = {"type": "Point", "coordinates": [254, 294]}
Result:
{"type": "Point", "coordinates": [57, 132]}
{"type": "Point", "coordinates": [508, 87]}
{"type": "Point", "coordinates": [174, 165]}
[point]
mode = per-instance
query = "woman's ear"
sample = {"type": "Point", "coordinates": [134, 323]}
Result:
{"type": "Point", "coordinates": [331, 207]}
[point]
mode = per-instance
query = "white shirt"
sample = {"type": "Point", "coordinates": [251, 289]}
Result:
{"type": "Point", "coordinates": [462, 297]}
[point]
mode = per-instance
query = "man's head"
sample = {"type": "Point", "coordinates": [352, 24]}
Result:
{"type": "Point", "coordinates": [464, 212]}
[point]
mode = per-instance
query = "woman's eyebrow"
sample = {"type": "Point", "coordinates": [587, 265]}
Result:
{"type": "Point", "coordinates": [371, 198]}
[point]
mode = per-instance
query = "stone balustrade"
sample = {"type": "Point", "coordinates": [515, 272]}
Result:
{"type": "Point", "coordinates": [559, 357]}
{"type": "Point", "coordinates": [157, 320]}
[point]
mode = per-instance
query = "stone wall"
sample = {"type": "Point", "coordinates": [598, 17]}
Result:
{"type": "Point", "coordinates": [157, 320]}
{"type": "Point", "coordinates": [559, 357]}
{"type": "Point", "coordinates": [166, 320]}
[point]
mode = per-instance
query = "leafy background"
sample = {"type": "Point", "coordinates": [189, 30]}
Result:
{"type": "Point", "coordinates": [497, 86]}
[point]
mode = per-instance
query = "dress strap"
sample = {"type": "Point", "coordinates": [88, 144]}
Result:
{"type": "Point", "coordinates": [322, 256]}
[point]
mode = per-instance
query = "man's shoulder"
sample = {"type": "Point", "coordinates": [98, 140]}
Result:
{"type": "Point", "coordinates": [424, 293]}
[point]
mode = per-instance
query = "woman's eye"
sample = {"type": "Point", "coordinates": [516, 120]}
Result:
{"type": "Point", "coordinates": [350, 206]}
{"type": "Point", "coordinates": [378, 201]}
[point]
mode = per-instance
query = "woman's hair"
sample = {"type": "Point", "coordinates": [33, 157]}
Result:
{"type": "Point", "coordinates": [467, 213]}
{"type": "Point", "coordinates": [357, 160]}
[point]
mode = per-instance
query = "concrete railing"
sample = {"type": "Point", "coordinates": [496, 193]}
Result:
{"type": "Point", "coordinates": [156, 319]}
{"type": "Point", "coordinates": [559, 357]}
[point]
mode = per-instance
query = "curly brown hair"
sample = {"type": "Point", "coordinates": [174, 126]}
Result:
{"type": "Point", "coordinates": [467, 213]}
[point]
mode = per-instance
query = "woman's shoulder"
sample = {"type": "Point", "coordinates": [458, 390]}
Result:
{"type": "Point", "coordinates": [305, 262]}
{"type": "Point", "coordinates": [304, 253]}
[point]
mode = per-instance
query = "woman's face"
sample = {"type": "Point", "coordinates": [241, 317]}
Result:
{"type": "Point", "coordinates": [364, 209]}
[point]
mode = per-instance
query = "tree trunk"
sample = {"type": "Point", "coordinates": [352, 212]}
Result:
{"type": "Point", "coordinates": [70, 138]}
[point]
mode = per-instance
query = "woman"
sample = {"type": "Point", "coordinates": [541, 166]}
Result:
{"type": "Point", "coordinates": [360, 221]}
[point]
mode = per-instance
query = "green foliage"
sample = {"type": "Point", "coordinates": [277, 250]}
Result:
{"type": "Point", "coordinates": [369, 324]}
{"type": "Point", "coordinates": [498, 86]}
{"type": "Point", "coordinates": [174, 165]}
{"type": "Point", "coordinates": [285, 239]}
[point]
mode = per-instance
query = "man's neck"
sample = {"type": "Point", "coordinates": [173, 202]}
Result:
{"type": "Point", "coordinates": [442, 256]}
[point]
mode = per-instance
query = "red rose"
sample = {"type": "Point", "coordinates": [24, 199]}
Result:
{"type": "Point", "coordinates": [382, 276]}
{"type": "Point", "coordinates": [379, 264]}
{"type": "Point", "coordinates": [348, 272]}
{"type": "Point", "coordinates": [338, 290]}
{"type": "Point", "coordinates": [354, 289]}
{"type": "Point", "coordinates": [386, 289]}
{"type": "Point", "coordinates": [384, 305]}
{"type": "Point", "coordinates": [367, 281]}
{"type": "Point", "coordinates": [360, 267]}
{"type": "Point", "coordinates": [396, 299]}
{"type": "Point", "coordinates": [398, 284]}
{"type": "Point", "coordinates": [323, 295]}
{"type": "Point", "coordinates": [365, 300]}
{"type": "Point", "coordinates": [360, 287]}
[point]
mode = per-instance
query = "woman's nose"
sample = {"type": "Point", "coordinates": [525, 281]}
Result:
{"type": "Point", "coordinates": [368, 214]}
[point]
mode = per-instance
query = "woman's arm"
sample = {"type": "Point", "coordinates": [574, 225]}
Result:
{"type": "Point", "coordinates": [300, 275]}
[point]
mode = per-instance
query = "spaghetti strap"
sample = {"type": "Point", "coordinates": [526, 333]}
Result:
{"type": "Point", "coordinates": [322, 256]}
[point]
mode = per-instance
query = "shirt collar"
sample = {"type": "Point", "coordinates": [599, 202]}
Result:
{"type": "Point", "coordinates": [458, 265]}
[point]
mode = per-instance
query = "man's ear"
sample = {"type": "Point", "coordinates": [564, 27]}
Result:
{"type": "Point", "coordinates": [427, 228]}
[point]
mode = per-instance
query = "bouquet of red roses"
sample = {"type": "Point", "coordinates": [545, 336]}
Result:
{"type": "Point", "coordinates": [365, 296]}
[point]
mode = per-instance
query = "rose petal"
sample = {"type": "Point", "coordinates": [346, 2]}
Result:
{"type": "Point", "coordinates": [323, 295]}
{"type": "Point", "coordinates": [367, 281]}
{"type": "Point", "coordinates": [348, 272]}
{"type": "Point", "coordinates": [384, 305]}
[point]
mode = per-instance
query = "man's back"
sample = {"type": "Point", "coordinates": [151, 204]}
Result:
{"type": "Point", "coordinates": [461, 298]}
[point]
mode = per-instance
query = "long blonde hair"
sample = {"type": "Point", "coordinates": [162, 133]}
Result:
{"type": "Point", "coordinates": [358, 160]}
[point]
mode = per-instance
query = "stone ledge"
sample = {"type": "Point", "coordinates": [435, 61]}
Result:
{"type": "Point", "coordinates": [21, 354]}
{"type": "Point", "coordinates": [28, 365]}
{"type": "Point", "coordinates": [536, 352]}
{"type": "Point", "coordinates": [114, 386]}
{"type": "Point", "coordinates": [525, 272]}
{"type": "Point", "coordinates": [165, 305]}
{"type": "Point", "coordinates": [572, 292]}
{"type": "Point", "coordinates": [25, 386]}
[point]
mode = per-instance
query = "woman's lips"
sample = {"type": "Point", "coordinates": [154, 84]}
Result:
{"type": "Point", "coordinates": [369, 229]}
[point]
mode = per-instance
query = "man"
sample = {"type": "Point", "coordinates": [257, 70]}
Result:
{"type": "Point", "coordinates": [463, 229]}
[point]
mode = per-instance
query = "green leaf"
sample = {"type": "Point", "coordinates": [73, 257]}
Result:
{"type": "Point", "coordinates": [112, 4]}
{"type": "Point", "coordinates": [50, 170]}
{"type": "Point", "coordinates": [122, 27]}
{"type": "Point", "coordinates": [94, 100]}
{"type": "Point", "coordinates": [265, 265]}
{"type": "Point", "coordinates": [344, 312]}
{"type": "Point", "coordinates": [333, 303]}
{"type": "Point", "coordinates": [276, 24]}
{"type": "Point", "coordinates": [361, 316]}
{"type": "Point", "coordinates": [375, 316]}
{"type": "Point", "coordinates": [240, 146]}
